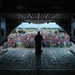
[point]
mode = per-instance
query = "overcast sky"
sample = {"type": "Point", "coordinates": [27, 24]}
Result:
{"type": "Point", "coordinates": [45, 25]}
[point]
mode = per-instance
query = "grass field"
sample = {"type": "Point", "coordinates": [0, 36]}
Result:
{"type": "Point", "coordinates": [32, 29]}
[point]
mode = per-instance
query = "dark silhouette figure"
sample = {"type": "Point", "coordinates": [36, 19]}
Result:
{"type": "Point", "coordinates": [38, 39]}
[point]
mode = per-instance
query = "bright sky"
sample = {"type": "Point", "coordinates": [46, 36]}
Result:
{"type": "Point", "coordinates": [32, 25]}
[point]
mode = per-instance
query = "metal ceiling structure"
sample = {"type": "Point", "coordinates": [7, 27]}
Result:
{"type": "Point", "coordinates": [37, 17]}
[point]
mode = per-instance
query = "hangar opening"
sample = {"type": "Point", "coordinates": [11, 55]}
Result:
{"type": "Point", "coordinates": [23, 36]}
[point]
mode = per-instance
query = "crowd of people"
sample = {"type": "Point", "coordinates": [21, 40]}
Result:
{"type": "Point", "coordinates": [50, 39]}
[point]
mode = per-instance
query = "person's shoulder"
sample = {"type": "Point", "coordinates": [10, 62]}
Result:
{"type": "Point", "coordinates": [41, 35]}
{"type": "Point", "coordinates": [36, 35]}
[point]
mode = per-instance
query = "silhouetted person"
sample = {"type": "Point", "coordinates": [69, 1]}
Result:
{"type": "Point", "coordinates": [38, 39]}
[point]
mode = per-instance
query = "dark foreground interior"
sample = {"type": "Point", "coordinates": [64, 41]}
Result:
{"type": "Point", "coordinates": [52, 61]}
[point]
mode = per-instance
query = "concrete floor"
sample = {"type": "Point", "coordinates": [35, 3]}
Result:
{"type": "Point", "coordinates": [52, 61]}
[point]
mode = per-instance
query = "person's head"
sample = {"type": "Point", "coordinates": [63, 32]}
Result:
{"type": "Point", "coordinates": [38, 32]}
